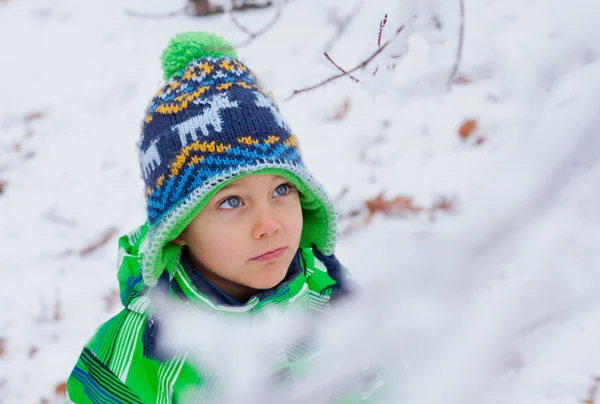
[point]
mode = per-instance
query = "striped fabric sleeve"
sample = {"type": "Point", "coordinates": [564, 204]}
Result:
{"type": "Point", "coordinates": [92, 382]}
{"type": "Point", "coordinates": [101, 373]}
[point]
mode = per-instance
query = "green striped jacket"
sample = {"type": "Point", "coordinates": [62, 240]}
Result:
{"type": "Point", "coordinates": [119, 364]}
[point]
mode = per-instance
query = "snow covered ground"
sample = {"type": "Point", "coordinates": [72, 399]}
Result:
{"type": "Point", "coordinates": [492, 301]}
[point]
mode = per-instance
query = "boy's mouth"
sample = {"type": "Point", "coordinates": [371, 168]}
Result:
{"type": "Point", "coordinates": [270, 255]}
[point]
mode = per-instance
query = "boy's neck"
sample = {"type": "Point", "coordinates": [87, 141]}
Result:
{"type": "Point", "coordinates": [239, 292]}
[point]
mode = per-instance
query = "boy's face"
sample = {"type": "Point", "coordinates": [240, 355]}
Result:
{"type": "Point", "coordinates": [247, 235]}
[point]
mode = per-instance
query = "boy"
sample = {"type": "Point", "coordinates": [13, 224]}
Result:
{"type": "Point", "coordinates": [235, 224]}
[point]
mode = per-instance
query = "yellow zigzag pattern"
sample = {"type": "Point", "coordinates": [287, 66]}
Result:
{"type": "Point", "coordinates": [203, 147]}
{"type": "Point", "coordinates": [182, 157]}
{"type": "Point", "coordinates": [292, 141]}
{"type": "Point", "coordinates": [212, 147]}
{"type": "Point", "coordinates": [181, 102]}
{"type": "Point", "coordinates": [248, 141]}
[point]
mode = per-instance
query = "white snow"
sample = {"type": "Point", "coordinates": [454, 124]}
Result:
{"type": "Point", "coordinates": [496, 302]}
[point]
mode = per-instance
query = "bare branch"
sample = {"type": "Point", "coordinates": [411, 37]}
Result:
{"type": "Point", "coordinates": [253, 35]}
{"type": "Point", "coordinates": [242, 27]}
{"type": "Point", "coordinates": [339, 68]}
{"type": "Point", "coordinates": [360, 66]}
{"type": "Point", "coordinates": [341, 195]}
{"type": "Point", "coordinates": [460, 45]}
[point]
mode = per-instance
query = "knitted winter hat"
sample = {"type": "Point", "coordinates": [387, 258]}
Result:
{"type": "Point", "coordinates": [210, 124]}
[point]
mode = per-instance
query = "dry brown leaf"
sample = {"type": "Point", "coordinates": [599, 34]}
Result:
{"type": "Point", "coordinates": [467, 128]}
{"type": "Point", "coordinates": [2, 186]}
{"type": "Point", "coordinates": [461, 79]}
{"type": "Point", "coordinates": [398, 205]}
{"type": "Point", "coordinates": [342, 110]}
{"type": "Point", "coordinates": [444, 204]}
{"type": "Point", "coordinates": [34, 116]}
{"type": "Point", "coordinates": [61, 389]}
{"type": "Point", "coordinates": [2, 347]}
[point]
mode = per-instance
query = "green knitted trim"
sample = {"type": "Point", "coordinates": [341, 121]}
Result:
{"type": "Point", "coordinates": [319, 217]}
{"type": "Point", "coordinates": [189, 46]}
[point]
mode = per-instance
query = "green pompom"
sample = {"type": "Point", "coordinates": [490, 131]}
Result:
{"type": "Point", "coordinates": [188, 46]}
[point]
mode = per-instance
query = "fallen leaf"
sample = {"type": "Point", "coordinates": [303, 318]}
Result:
{"type": "Point", "coordinates": [467, 128]}
{"type": "Point", "coordinates": [342, 110]}
{"type": "Point", "coordinates": [2, 186]}
{"type": "Point", "coordinates": [61, 389]}
{"type": "Point", "coordinates": [2, 347]}
{"type": "Point", "coordinates": [398, 205]}
{"type": "Point", "coordinates": [444, 204]}
{"type": "Point", "coordinates": [461, 79]}
{"type": "Point", "coordinates": [33, 116]}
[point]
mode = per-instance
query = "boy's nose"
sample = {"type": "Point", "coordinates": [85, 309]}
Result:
{"type": "Point", "coordinates": [265, 224]}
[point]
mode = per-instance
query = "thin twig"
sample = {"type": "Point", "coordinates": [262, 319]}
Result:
{"type": "Point", "coordinates": [105, 238]}
{"type": "Point", "coordinates": [340, 68]}
{"type": "Point", "coordinates": [242, 27]}
{"type": "Point", "coordinates": [253, 35]}
{"type": "Point", "coordinates": [381, 27]}
{"type": "Point", "coordinates": [341, 195]}
{"type": "Point", "coordinates": [342, 26]}
{"type": "Point", "coordinates": [460, 45]}
{"type": "Point", "coordinates": [360, 66]}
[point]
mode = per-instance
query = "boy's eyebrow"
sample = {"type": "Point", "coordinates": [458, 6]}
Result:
{"type": "Point", "coordinates": [228, 186]}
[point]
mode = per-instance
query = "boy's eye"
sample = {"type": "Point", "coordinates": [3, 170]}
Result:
{"type": "Point", "coordinates": [282, 190]}
{"type": "Point", "coordinates": [231, 203]}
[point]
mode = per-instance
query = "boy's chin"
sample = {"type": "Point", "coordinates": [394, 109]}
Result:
{"type": "Point", "coordinates": [270, 278]}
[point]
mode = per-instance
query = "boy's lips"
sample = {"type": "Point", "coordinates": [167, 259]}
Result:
{"type": "Point", "coordinates": [270, 255]}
